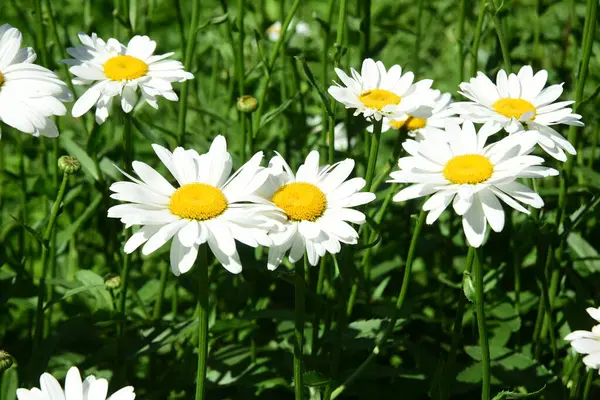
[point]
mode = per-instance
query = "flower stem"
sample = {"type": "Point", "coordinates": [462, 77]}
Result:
{"type": "Point", "coordinates": [164, 277]}
{"type": "Point", "coordinates": [325, 61]}
{"type": "Point", "coordinates": [299, 327]}
{"type": "Point", "coordinates": [39, 319]}
{"type": "Point", "coordinates": [502, 40]}
{"type": "Point", "coordinates": [460, 39]}
{"type": "Point", "coordinates": [456, 334]}
{"type": "Point", "coordinates": [239, 69]}
{"type": "Point", "coordinates": [477, 36]}
{"type": "Point", "coordinates": [586, 52]}
{"type": "Point", "coordinates": [483, 339]}
{"type": "Point", "coordinates": [373, 154]}
{"type": "Point", "coordinates": [588, 384]}
{"type": "Point", "coordinates": [203, 311]}
{"type": "Point", "coordinates": [189, 55]}
{"type": "Point", "coordinates": [399, 303]}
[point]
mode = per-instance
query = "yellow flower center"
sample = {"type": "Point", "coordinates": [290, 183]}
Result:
{"type": "Point", "coordinates": [198, 201]}
{"type": "Point", "coordinates": [469, 168]}
{"type": "Point", "coordinates": [514, 108]}
{"type": "Point", "coordinates": [2, 80]}
{"type": "Point", "coordinates": [379, 98]}
{"type": "Point", "coordinates": [125, 67]}
{"type": "Point", "coordinates": [300, 201]}
{"type": "Point", "coordinates": [411, 123]}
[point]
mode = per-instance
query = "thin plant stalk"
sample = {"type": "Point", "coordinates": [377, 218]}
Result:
{"type": "Point", "coordinates": [418, 37]}
{"type": "Point", "coordinates": [460, 39]}
{"type": "Point", "coordinates": [588, 384]}
{"type": "Point", "coordinates": [164, 277]}
{"type": "Point", "coordinates": [269, 67]}
{"type": "Point", "coordinates": [398, 307]}
{"type": "Point", "coordinates": [450, 374]}
{"type": "Point", "coordinates": [503, 42]}
{"type": "Point", "coordinates": [39, 32]}
{"type": "Point", "coordinates": [373, 153]}
{"type": "Point", "coordinates": [483, 338]}
{"type": "Point", "coordinates": [39, 319]}
{"type": "Point", "coordinates": [203, 313]}
{"type": "Point", "coordinates": [299, 299]}
{"type": "Point", "coordinates": [325, 60]}
{"type": "Point", "coordinates": [189, 56]}
{"type": "Point", "coordinates": [240, 70]}
{"type": "Point", "coordinates": [477, 36]}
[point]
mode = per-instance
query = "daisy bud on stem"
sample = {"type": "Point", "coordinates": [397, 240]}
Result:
{"type": "Point", "coordinates": [68, 165]}
{"type": "Point", "coordinates": [246, 105]}
{"type": "Point", "coordinates": [6, 361]}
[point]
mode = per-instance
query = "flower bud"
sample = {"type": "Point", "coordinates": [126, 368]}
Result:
{"type": "Point", "coordinates": [113, 281]}
{"type": "Point", "coordinates": [247, 104]}
{"type": "Point", "coordinates": [6, 361]}
{"type": "Point", "coordinates": [68, 164]}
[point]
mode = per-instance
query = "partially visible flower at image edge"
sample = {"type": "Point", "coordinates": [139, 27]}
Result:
{"type": "Point", "coordinates": [30, 95]}
{"type": "Point", "coordinates": [75, 389]}
{"type": "Point", "coordinates": [588, 342]}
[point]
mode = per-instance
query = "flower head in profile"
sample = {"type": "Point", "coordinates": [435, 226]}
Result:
{"type": "Point", "coordinates": [420, 128]}
{"type": "Point", "coordinates": [517, 102]}
{"type": "Point", "coordinates": [207, 205]}
{"type": "Point", "coordinates": [471, 175]}
{"type": "Point", "coordinates": [377, 92]}
{"type": "Point", "coordinates": [586, 342]}
{"type": "Point", "coordinates": [30, 95]}
{"type": "Point", "coordinates": [115, 70]}
{"type": "Point", "coordinates": [317, 202]}
{"type": "Point", "coordinates": [90, 389]}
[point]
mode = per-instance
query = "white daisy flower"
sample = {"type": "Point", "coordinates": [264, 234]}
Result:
{"type": "Point", "coordinates": [209, 205]}
{"type": "Point", "coordinates": [463, 171]}
{"type": "Point", "coordinates": [340, 133]}
{"type": "Point", "coordinates": [29, 94]}
{"type": "Point", "coordinates": [119, 70]}
{"type": "Point", "coordinates": [377, 93]}
{"type": "Point", "coordinates": [318, 204]}
{"type": "Point", "coordinates": [520, 101]}
{"type": "Point", "coordinates": [585, 342]}
{"type": "Point", "coordinates": [90, 389]}
{"type": "Point", "coordinates": [420, 128]}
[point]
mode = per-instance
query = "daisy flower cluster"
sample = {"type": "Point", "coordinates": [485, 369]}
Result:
{"type": "Point", "coordinates": [448, 158]}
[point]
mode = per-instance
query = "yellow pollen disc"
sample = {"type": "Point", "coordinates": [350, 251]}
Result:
{"type": "Point", "coordinates": [514, 108]}
{"type": "Point", "coordinates": [2, 80]}
{"type": "Point", "coordinates": [411, 123]}
{"type": "Point", "coordinates": [300, 201]}
{"type": "Point", "coordinates": [379, 98]}
{"type": "Point", "coordinates": [125, 67]}
{"type": "Point", "coordinates": [469, 168]}
{"type": "Point", "coordinates": [198, 201]}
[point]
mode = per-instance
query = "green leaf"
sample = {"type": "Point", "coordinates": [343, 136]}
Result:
{"type": "Point", "coordinates": [214, 21]}
{"type": "Point", "coordinates": [72, 292]}
{"type": "Point", "coordinates": [591, 177]}
{"type": "Point", "coordinates": [314, 379]}
{"type": "Point", "coordinates": [590, 263]}
{"type": "Point", "coordinates": [65, 235]}
{"type": "Point", "coordinates": [313, 82]}
{"type": "Point", "coordinates": [100, 293]}
{"type": "Point", "coordinates": [148, 133]}
{"type": "Point", "coordinates": [505, 394]}
{"type": "Point", "coordinates": [133, 14]}
{"type": "Point", "coordinates": [89, 167]}
{"type": "Point", "coordinates": [265, 119]}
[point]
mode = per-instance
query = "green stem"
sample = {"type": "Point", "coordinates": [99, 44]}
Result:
{"type": "Point", "coordinates": [503, 43]}
{"type": "Point", "coordinates": [341, 22]}
{"type": "Point", "coordinates": [365, 38]}
{"type": "Point", "coordinates": [39, 319]}
{"type": "Point", "coordinates": [325, 62]}
{"type": "Point", "coordinates": [203, 312]}
{"type": "Point", "coordinates": [586, 52]}
{"type": "Point", "coordinates": [270, 64]}
{"type": "Point", "coordinates": [375, 138]}
{"type": "Point", "coordinates": [164, 277]}
{"type": "Point", "coordinates": [477, 36]}
{"type": "Point", "coordinates": [483, 339]}
{"type": "Point", "coordinates": [399, 303]}
{"type": "Point", "coordinates": [189, 56]}
{"type": "Point", "coordinates": [299, 327]}
{"type": "Point", "coordinates": [39, 33]}
{"type": "Point", "coordinates": [456, 334]}
{"type": "Point", "coordinates": [461, 40]}
{"type": "Point", "coordinates": [240, 70]}
{"type": "Point", "coordinates": [418, 37]}
{"type": "Point", "coordinates": [588, 384]}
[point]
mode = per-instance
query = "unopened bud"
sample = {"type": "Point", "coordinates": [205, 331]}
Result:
{"type": "Point", "coordinates": [113, 282]}
{"type": "Point", "coordinates": [247, 104]}
{"type": "Point", "coordinates": [6, 361]}
{"type": "Point", "coordinates": [68, 164]}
